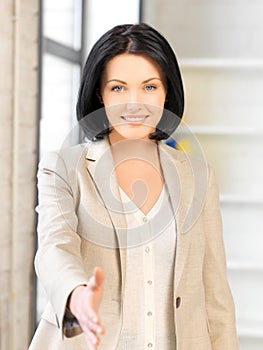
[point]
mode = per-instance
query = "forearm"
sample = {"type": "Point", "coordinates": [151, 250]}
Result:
{"type": "Point", "coordinates": [219, 302]}
{"type": "Point", "coordinates": [58, 261]}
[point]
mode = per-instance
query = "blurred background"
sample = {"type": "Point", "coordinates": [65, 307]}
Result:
{"type": "Point", "coordinates": [43, 46]}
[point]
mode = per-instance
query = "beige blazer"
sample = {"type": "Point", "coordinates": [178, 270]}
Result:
{"type": "Point", "coordinates": [81, 225]}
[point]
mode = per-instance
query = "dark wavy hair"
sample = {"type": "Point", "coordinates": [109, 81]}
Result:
{"type": "Point", "coordinates": [139, 39]}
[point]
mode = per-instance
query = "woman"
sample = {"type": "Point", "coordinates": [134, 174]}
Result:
{"type": "Point", "coordinates": [130, 243]}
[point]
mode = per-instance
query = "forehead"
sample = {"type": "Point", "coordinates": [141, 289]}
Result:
{"type": "Point", "coordinates": [132, 65]}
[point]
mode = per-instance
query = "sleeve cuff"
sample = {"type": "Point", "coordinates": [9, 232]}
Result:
{"type": "Point", "coordinates": [71, 324]}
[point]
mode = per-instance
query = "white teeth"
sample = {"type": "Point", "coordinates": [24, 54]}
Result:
{"type": "Point", "coordinates": [134, 119]}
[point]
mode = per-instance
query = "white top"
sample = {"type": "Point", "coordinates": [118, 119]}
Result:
{"type": "Point", "coordinates": [148, 314]}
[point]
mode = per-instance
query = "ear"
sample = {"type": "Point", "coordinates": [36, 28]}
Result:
{"type": "Point", "coordinates": [99, 96]}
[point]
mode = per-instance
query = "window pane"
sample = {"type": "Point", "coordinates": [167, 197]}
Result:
{"type": "Point", "coordinates": [62, 22]}
{"type": "Point", "coordinates": [60, 85]}
{"type": "Point", "coordinates": [114, 12]}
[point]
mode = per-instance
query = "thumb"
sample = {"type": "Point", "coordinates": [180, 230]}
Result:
{"type": "Point", "coordinates": [97, 278]}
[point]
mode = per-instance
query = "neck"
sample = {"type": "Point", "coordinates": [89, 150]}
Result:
{"type": "Point", "coordinates": [140, 149]}
{"type": "Point", "coordinates": [115, 137]}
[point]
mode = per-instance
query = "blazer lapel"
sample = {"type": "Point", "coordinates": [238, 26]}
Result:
{"type": "Point", "coordinates": [174, 170]}
{"type": "Point", "coordinates": [101, 168]}
{"type": "Point", "coordinates": [187, 180]}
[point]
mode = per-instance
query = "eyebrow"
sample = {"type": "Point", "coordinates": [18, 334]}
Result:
{"type": "Point", "coordinates": [124, 83]}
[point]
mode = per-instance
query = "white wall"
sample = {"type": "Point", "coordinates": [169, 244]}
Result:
{"type": "Point", "coordinates": [218, 44]}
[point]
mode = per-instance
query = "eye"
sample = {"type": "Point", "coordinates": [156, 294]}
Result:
{"type": "Point", "coordinates": [117, 88]}
{"type": "Point", "coordinates": [149, 87]}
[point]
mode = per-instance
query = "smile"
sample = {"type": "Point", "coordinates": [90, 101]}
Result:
{"type": "Point", "coordinates": [134, 119]}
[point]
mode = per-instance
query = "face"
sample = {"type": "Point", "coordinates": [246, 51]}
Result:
{"type": "Point", "coordinates": [133, 92]}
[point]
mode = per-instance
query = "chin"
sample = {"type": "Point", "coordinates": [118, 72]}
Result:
{"type": "Point", "coordinates": [135, 132]}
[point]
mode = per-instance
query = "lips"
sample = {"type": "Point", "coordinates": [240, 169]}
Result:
{"type": "Point", "coordinates": [134, 119]}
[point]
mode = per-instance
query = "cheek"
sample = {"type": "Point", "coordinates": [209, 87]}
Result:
{"type": "Point", "coordinates": [162, 99]}
{"type": "Point", "coordinates": [156, 100]}
{"type": "Point", "coordinates": [113, 99]}
{"type": "Point", "coordinates": [155, 112]}
{"type": "Point", "coordinates": [114, 111]}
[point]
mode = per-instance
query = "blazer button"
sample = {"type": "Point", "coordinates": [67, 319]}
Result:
{"type": "Point", "coordinates": [178, 302]}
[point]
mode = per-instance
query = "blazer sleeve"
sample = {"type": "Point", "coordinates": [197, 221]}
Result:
{"type": "Point", "coordinates": [219, 302]}
{"type": "Point", "coordinates": [58, 261]}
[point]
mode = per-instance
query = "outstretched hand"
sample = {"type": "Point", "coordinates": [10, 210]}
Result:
{"type": "Point", "coordinates": [84, 304]}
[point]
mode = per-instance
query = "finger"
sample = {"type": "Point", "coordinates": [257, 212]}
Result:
{"type": "Point", "coordinates": [90, 318]}
{"type": "Point", "coordinates": [90, 345]}
{"type": "Point", "coordinates": [92, 338]}
{"type": "Point", "coordinates": [91, 315]}
{"type": "Point", "coordinates": [98, 276]}
{"type": "Point", "coordinates": [95, 327]}
{"type": "Point", "coordinates": [97, 279]}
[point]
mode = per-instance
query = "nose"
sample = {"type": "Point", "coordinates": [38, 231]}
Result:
{"type": "Point", "coordinates": [134, 101]}
{"type": "Point", "coordinates": [133, 107]}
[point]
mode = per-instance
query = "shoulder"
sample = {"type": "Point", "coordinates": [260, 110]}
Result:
{"type": "Point", "coordinates": [173, 152]}
{"type": "Point", "coordinates": [65, 157]}
{"type": "Point", "coordinates": [192, 169]}
{"type": "Point", "coordinates": [185, 159]}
